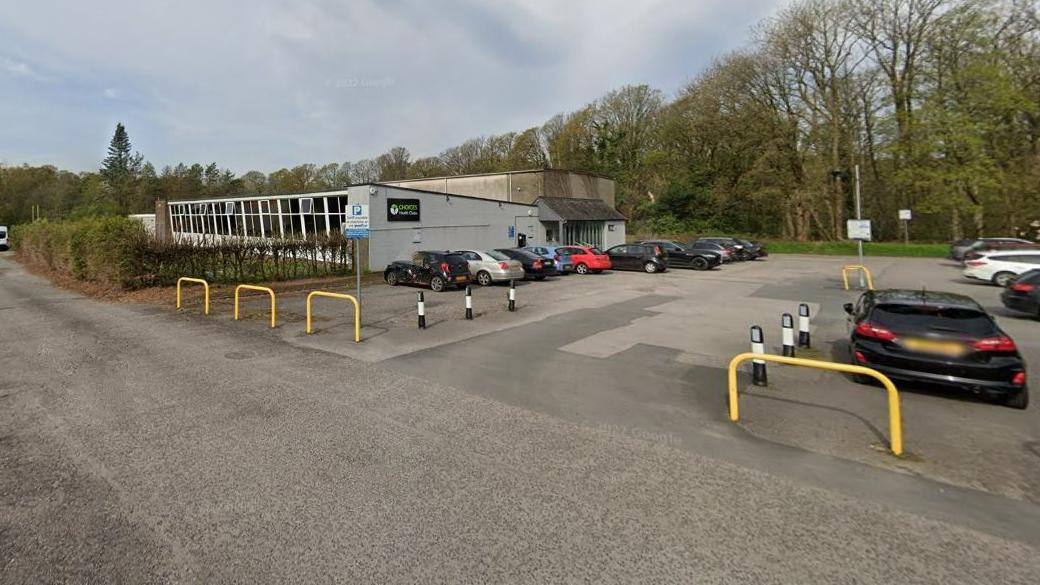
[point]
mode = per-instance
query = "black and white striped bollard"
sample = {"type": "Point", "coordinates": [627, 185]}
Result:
{"type": "Point", "coordinates": [421, 307]}
{"type": "Point", "coordinates": [512, 295]}
{"type": "Point", "coordinates": [469, 302]}
{"type": "Point", "coordinates": [787, 329]}
{"type": "Point", "coordinates": [758, 367]}
{"type": "Point", "coordinates": [803, 326]}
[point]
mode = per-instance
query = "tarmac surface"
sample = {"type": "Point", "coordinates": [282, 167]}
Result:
{"type": "Point", "coordinates": [141, 445]}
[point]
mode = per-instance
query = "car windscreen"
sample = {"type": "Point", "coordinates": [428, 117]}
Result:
{"type": "Point", "coordinates": [596, 251]}
{"type": "Point", "coordinates": [523, 255]}
{"type": "Point", "coordinates": [454, 259]}
{"type": "Point", "coordinates": [1031, 277]}
{"type": "Point", "coordinates": [498, 255]}
{"type": "Point", "coordinates": [934, 319]}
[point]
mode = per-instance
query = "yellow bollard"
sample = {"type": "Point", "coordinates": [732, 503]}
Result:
{"type": "Point", "coordinates": [196, 280]}
{"type": "Point", "coordinates": [357, 311]}
{"type": "Point", "coordinates": [895, 417]}
{"type": "Point", "coordinates": [849, 268]}
{"type": "Point", "coordinates": [274, 303]}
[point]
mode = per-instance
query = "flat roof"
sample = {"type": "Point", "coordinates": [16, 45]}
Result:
{"type": "Point", "coordinates": [337, 192]}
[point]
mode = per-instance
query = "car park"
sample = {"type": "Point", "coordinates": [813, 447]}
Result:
{"type": "Point", "coordinates": [680, 256]}
{"type": "Point", "coordinates": [645, 257]}
{"type": "Point", "coordinates": [1001, 268]}
{"type": "Point", "coordinates": [1023, 295]}
{"type": "Point", "coordinates": [704, 246]}
{"type": "Point", "coordinates": [551, 252]}
{"type": "Point", "coordinates": [586, 259]}
{"type": "Point", "coordinates": [490, 266]}
{"type": "Point", "coordinates": [939, 338]}
{"type": "Point", "coordinates": [433, 269]}
{"type": "Point", "coordinates": [535, 267]}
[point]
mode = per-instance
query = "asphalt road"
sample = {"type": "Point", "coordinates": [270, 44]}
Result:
{"type": "Point", "coordinates": [138, 445]}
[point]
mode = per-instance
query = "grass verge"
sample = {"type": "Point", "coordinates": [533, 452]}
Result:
{"type": "Point", "coordinates": [913, 249]}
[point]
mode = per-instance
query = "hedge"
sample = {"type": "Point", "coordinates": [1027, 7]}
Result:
{"type": "Point", "coordinates": [118, 252]}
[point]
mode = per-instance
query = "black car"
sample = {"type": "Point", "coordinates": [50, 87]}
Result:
{"type": "Point", "coordinates": [436, 270]}
{"type": "Point", "coordinates": [704, 246]}
{"type": "Point", "coordinates": [680, 256]}
{"type": "Point", "coordinates": [735, 247]}
{"type": "Point", "coordinates": [646, 257]}
{"type": "Point", "coordinates": [1023, 294]}
{"type": "Point", "coordinates": [755, 250]}
{"type": "Point", "coordinates": [535, 266]}
{"type": "Point", "coordinates": [936, 337]}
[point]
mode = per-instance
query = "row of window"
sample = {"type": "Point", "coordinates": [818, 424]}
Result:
{"type": "Point", "coordinates": [266, 218]}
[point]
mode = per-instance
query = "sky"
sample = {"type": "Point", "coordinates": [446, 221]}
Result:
{"type": "Point", "coordinates": [267, 84]}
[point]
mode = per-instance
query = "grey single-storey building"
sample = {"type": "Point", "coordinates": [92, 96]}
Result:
{"type": "Point", "coordinates": [402, 220]}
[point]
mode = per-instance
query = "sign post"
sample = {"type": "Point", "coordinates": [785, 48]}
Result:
{"type": "Point", "coordinates": [905, 215]}
{"type": "Point", "coordinates": [356, 228]}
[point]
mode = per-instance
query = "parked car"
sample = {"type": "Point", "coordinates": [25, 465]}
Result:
{"type": "Point", "coordinates": [551, 252]}
{"type": "Point", "coordinates": [680, 256]}
{"type": "Point", "coordinates": [645, 257]}
{"type": "Point", "coordinates": [1001, 268]}
{"type": "Point", "coordinates": [1023, 294]}
{"type": "Point", "coordinates": [725, 252]}
{"type": "Point", "coordinates": [436, 270]}
{"type": "Point", "coordinates": [941, 338]}
{"type": "Point", "coordinates": [3, 237]}
{"type": "Point", "coordinates": [535, 267]}
{"type": "Point", "coordinates": [754, 249]}
{"type": "Point", "coordinates": [586, 259]}
{"type": "Point", "coordinates": [735, 247]}
{"type": "Point", "coordinates": [984, 247]}
{"type": "Point", "coordinates": [961, 247]}
{"type": "Point", "coordinates": [488, 266]}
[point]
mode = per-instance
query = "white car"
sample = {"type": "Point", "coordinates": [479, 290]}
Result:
{"type": "Point", "coordinates": [3, 237]}
{"type": "Point", "coordinates": [1001, 268]}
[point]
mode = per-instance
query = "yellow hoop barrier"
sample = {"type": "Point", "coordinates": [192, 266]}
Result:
{"type": "Point", "coordinates": [845, 270]}
{"type": "Point", "coordinates": [195, 280]}
{"type": "Point", "coordinates": [357, 311]}
{"type": "Point", "coordinates": [274, 303]}
{"type": "Point", "coordinates": [895, 418]}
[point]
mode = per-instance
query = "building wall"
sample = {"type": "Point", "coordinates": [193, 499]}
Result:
{"type": "Point", "coordinates": [520, 186]}
{"type": "Point", "coordinates": [447, 223]}
{"type": "Point", "coordinates": [615, 237]}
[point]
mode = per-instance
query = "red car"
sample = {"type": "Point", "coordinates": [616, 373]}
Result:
{"type": "Point", "coordinates": [586, 259]}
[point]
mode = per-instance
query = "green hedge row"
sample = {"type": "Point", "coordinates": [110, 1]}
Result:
{"type": "Point", "coordinates": [118, 252]}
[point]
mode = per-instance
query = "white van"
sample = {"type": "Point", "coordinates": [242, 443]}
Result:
{"type": "Point", "coordinates": [3, 237]}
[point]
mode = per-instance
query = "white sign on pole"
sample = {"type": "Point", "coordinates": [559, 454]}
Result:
{"type": "Point", "coordinates": [356, 224]}
{"type": "Point", "coordinates": [905, 215]}
{"type": "Point", "coordinates": [859, 229]}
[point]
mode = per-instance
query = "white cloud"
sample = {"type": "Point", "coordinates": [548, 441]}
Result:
{"type": "Point", "coordinates": [268, 83]}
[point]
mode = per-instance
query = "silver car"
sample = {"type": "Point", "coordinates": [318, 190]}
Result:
{"type": "Point", "coordinates": [488, 266]}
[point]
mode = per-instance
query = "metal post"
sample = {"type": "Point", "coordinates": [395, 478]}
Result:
{"type": "Point", "coordinates": [859, 215]}
{"type": "Point", "coordinates": [512, 295]}
{"type": "Point", "coordinates": [803, 326]}
{"type": "Point", "coordinates": [421, 307]}
{"type": "Point", "coordinates": [357, 267]}
{"type": "Point", "coordinates": [469, 302]}
{"type": "Point", "coordinates": [787, 328]}
{"type": "Point", "coordinates": [758, 367]}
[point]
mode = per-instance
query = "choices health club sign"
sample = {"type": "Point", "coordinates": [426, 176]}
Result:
{"type": "Point", "coordinates": [402, 210]}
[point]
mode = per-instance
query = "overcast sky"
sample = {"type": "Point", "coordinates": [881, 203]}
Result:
{"type": "Point", "coordinates": [266, 84]}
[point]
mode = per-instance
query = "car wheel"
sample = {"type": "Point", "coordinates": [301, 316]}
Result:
{"type": "Point", "coordinates": [1019, 400]}
{"type": "Point", "coordinates": [483, 278]}
{"type": "Point", "coordinates": [1003, 279]}
{"type": "Point", "coordinates": [863, 379]}
{"type": "Point", "coordinates": [650, 267]}
{"type": "Point", "coordinates": [391, 278]}
{"type": "Point", "coordinates": [581, 269]}
{"type": "Point", "coordinates": [596, 271]}
{"type": "Point", "coordinates": [540, 277]}
{"type": "Point", "coordinates": [699, 264]}
{"type": "Point", "coordinates": [437, 284]}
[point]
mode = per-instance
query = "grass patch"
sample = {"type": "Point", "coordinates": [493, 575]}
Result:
{"type": "Point", "coordinates": [848, 248]}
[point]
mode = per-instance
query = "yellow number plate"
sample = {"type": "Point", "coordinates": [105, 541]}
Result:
{"type": "Point", "coordinates": [947, 348]}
